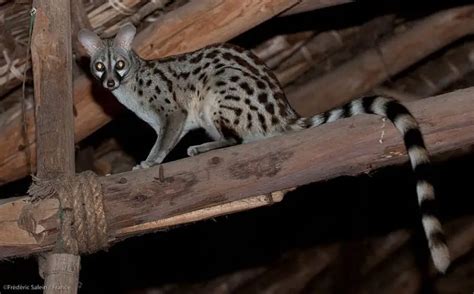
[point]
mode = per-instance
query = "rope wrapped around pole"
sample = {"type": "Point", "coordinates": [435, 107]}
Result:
{"type": "Point", "coordinates": [83, 227]}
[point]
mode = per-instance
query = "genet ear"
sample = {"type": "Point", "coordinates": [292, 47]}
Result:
{"type": "Point", "coordinates": [91, 42]}
{"type": "Point", "coordinates": [124, 37]}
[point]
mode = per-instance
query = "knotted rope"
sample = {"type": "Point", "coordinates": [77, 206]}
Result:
{"type": "Point", "coordinates": [83, 228]}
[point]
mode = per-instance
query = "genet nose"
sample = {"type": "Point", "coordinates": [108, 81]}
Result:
{"type": "Point", "coordinates": [110, 83]}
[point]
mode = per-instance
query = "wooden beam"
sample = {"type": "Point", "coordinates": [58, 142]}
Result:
{"type": "Point", "coordinates": [308, 5]}
{"type": "Point", "coordinates": [135, 201]}
{"type": "Point", "coordinates": [176, 32]}
{"type": "Point", "coordinates": [367, 70]}
{"type": "Point", "coordinates": [438, 73]}
{"type": "Point", "coordinates": [51, 53]}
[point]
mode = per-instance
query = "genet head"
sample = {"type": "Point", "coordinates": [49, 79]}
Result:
{"type": "Point", "coordinates": [111, 59]}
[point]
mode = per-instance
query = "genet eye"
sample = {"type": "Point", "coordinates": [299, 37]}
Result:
{"type": "Point", "coordinates": [99, 66]}
{"type": "Point", "coordinates": [120, 64]}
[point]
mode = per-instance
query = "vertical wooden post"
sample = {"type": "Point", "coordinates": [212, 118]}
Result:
{"type": "Point", "coordinates": [52, 71]}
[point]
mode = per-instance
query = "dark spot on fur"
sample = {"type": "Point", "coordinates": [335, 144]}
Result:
{"type": "Point", "coordinates": [196, 58]}
{"type": "Point", "coordinates": [219, 72]}
{"type": "Point", "coordinates": [236, 110]}
{"type": "Point", "coordinates": [229, 133]}
{"type": "Point", "coordinates": [184, 75]}
{"type": "Point", "coordinates": [220, 83]}
{"type": "Point", "coordinates": [262, 98]}
{"type": "Point", "coordinates": [232, 97]}
{"type": "Point", "coordinates": [167, 100]}
{"type": "Point", "coordinates": [275, 120]}
{"type": "Point", "coordinates": [242, 62]}
{"type": "Point", "coordinates": [245, 86]}
{"type": "Point", "coordinates": [263, 124]}
{"type": "Point", "coordinates": [196, 70]}
{"type": "Point", "coordinates": [279, 96]}
{"type": "Point", "coordinates": [270, 108]}
{"type": "Point", "coordinates": [260, 85]}
{"type": "Point", "coordinates": [234, 78]}
{"type": "Point", "coordinates": [163, 77]}
{"type": "Point", "coordinates": [212, 54]}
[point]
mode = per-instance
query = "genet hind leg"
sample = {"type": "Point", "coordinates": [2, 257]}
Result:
{"type": "Point", "coordinates": [223, 134]}
{"type": "Point", "coordinates": [197, 149]}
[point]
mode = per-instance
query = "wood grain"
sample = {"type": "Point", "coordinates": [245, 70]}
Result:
{"type": "Point", "coordinates": [367, 70]}
{"type": "Point", "coordinates": [51, 53]}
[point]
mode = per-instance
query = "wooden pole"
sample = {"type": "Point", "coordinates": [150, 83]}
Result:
{"type": "Point", "coordinates": [194, 188]}
{"type": "Point", "coordinates": [52, 72]}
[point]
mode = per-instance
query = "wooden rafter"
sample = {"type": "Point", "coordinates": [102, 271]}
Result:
{"type": "Point", "coordinates": [367, 70]}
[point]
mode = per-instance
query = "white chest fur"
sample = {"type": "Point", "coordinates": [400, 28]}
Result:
{"type": "Point", "coordinates": [137, 104]}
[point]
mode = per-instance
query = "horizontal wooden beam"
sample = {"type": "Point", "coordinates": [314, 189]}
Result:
{"type": "Point", "coordinates": [308, 5]}
{"type": "Point", "coordinates": [365, 71]}
{"type": "Point", "coordinates": [178, 31]}
{"type": "Point", "coordinates": [352, 146]}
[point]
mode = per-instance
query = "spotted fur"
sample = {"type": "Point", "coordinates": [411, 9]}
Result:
{"type": "Point", "coordinates": [230, 93]}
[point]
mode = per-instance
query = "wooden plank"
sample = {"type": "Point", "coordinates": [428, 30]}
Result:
{"type": "Point", "coordinates": [135, 201]}
{"type": "Point", "coordinates": [178, 31]}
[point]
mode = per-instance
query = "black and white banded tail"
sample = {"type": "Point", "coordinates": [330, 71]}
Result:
{"type": "Point", "coordinates": [419, 158]}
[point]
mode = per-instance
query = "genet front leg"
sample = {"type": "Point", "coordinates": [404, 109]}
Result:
{"type": "Point", "coordinates": [169, 133]}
